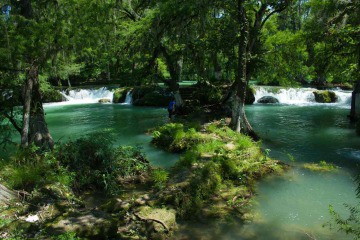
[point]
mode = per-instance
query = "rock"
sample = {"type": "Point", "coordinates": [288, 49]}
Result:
{"type": "Point", "coordinates": [140, 201]}
{"type": "Point", "coordinates": [268, 99]}
{"type": "Point", "coordinates": [6, 195]}
{"type": "Point", "coordinates": [52, 95]}
{"type": "Point", "coordinates": [163, 219]}
{"type": "Point", "coordinates": [104, 100]}
{"type": "Point", "coordinates": [94, 225]}
{"type": "Point", "coordinates": [120, 95]}
{"type": "Point", "coordinates": [250, 95]}
{"type": "Point", "coordinates": [325, 96]}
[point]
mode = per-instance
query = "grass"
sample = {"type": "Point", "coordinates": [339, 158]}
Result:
{"type": "Point", "coordinates": [214, 158]}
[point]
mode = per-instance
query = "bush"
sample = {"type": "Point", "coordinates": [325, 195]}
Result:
{"type": "Point", "coordinates": [159, 178]}
{"type": "Point", "coordinates": [98, 165]}
{"type": "Point", "coordinates": [29, 170]}
{"type": "Point", "coordinates": [175, 138]}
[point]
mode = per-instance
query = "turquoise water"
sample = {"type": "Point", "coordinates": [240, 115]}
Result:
{"type": "Point", "coordinates": [294, 206]}
{"type": "Point", "coordinates": [130, 125]}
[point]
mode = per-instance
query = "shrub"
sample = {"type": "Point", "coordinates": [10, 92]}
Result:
{"type": "Point", "coordinates": [175, 138]}
{"type": "Point", "coordinates": [98, 165]}
{"type": "Point", "coordinates": [159, 178]}
{"type": "Point", "coordinates": [28, 170]}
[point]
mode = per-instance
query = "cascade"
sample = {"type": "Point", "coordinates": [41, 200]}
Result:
{"type": "Point", "coordinates": [128, 99]}
{"type": "Point", "coordinates": [87, 95]}
{"type": "Point", "coordinates": [299, 96]}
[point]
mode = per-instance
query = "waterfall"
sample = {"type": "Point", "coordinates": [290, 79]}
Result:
{"type": "Point", "coordinates": [299, 96]}
{"type": "Point", "coordinates": [128, 99]}
{"type": "Point", "coordinates": [87, 95]}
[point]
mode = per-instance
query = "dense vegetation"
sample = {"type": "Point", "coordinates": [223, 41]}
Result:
{"type": "Point", "coordinates": [223, 45]}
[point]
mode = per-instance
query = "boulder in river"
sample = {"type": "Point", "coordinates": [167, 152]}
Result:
{"type": "Point", "coordinates": [104, 100]}
{"type": "Point", "coordinates": [325, 96]}
{"type": "Point", "coordinates": [268, 99]}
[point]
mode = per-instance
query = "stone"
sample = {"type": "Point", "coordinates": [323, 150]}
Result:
{"type": "Point", "coordinates": [163, 219]}
{"type": "Point", "coordinates": [104, 100]}
{"type": "Point", "coordinates": [325, 96]}
{"type": "Point", "coordinates": [96, 225]}
{"type": "Point", "coordinates": [268, 99]}
{"type": "Point", "coordinates": [6, 195]}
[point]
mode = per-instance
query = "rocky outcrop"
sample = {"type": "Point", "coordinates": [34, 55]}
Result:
{"type": "Point", "coordinates": [268, 99]}
{"type": "Point", "coordinates": [325, 96]}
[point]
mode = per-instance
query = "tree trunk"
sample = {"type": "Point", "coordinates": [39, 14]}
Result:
{"type": "Point", "coordinates": [28, 88]}
{"type": "Point", "coordinates": [175, 68]}
{"type": "Point", "coordinates": [39, 132]}
{"type": "Point", "coordinates": [34, 128]}
{"type": "Point", "coordinates": [239, 122]}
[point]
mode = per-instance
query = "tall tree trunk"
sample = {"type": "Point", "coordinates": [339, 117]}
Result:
{"type": "Point", "coordinates": [39, 132]}
{"type": "Point", "coordinates": [239, 122]}
{"type": "Point", "coordinates": [34, 128]}
{"type": "Point", "coordinates": [27, 92]}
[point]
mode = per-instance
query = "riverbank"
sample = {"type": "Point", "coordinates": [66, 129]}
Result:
{"type": "Point", "coordinates": [214, 179]}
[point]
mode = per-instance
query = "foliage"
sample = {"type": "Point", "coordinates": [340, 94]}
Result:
{"type": "Point", "coordinates": [29, 170]}
{"type": "Point", "coordinates": [97, 164]}
{"type": "Point", "coordinates": [351, 224]}
{"type": "Point", "coordinates": [160, 178]}
{"type": "Point", "coordinates": [175, 138]}
{"type": "Point", "coordinates": [216, 158]}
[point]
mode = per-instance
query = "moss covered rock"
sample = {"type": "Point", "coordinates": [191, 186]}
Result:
{"type": "Point", "coordinates": [325, 96]}
{"type": "Point", "coordinates": [51, 95]}
{"type": "Point", "coordinates": [250, 95]}
{"type": "Point", "coordinates": [120, 95]}
{"type": "Point", "coordinates": [155, 99]}
{"type": "Point", "coordinates": [217, 172]}
{"type": "Point", "coordinates": [268, 99]}
{"type": "Point", "coordinates": [104, 100]}
{"type": "Point", "coordinates": [162, 219]}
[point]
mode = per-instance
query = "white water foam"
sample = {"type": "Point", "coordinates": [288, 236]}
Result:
{"type": "Point", "coordinates": [300, 96]}
{"type": "Point", "coordinates": [84, 96]}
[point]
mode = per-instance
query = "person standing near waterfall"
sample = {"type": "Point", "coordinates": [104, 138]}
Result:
{"type": "Point", "coordinates": [171, 109]}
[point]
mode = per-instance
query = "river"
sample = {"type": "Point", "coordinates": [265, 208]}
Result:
{"type": "Point", "coordinates": [297, 131]}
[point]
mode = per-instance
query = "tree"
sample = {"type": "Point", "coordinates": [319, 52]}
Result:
{"type": "Point", "coordinates": [259, 13]}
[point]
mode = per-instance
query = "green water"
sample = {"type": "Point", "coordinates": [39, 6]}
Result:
{"type": "Point", "coordinates": [294, 206]}
{"type": "Point", "coordinates": [130, 125]}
